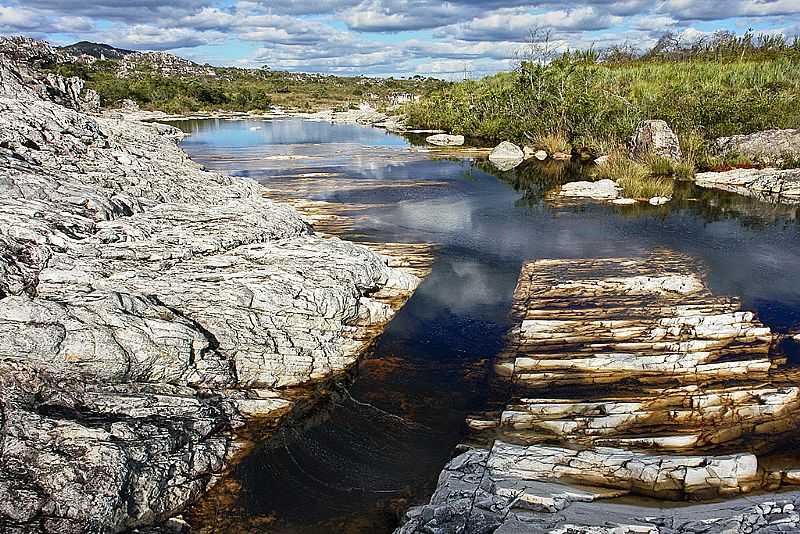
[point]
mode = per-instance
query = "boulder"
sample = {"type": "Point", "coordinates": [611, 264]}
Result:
{"type": "Point", "coordinates": [600, 190]}
{"type": "Point", "coordinates": [445, 140]}
{"type": "Point", "coordinates": [654, 137]}
{"type": "Point", "coordinates": [506, 156]}
{"type": "Point", "coordinates": [769, 147]}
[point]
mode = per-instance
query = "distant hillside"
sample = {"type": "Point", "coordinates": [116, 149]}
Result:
{"type": "Point", "coordinates": [163, 81]}
{"type": "Point", "coordinates": [96, 50]}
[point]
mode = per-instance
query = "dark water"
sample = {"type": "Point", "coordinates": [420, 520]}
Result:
{"type": "Point", "coordinates": [379, 445]}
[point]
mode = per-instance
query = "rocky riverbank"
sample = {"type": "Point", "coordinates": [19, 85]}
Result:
{"type": "Point", "coordinates": [151, 313]}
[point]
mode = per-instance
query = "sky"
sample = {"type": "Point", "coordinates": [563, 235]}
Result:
{"type": "Point", "coordinates": [449, 39]}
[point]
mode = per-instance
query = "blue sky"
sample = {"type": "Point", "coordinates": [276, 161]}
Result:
{"type": "Point", "coordinates": [381, 37]}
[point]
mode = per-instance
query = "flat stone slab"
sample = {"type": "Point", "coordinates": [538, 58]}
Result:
{"type": "Point", "coordinates": [768, 185]}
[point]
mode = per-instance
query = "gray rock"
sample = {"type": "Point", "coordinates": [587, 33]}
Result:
{"type": "Point", "coordinates": [768, 185]}
{"type": "Point", "coordinates": [149, 309]}
{"type": "Point", "coordinates": [445, 140]}
{"type": "Point", "coordinates": [769, 147]}
{"type": "Point", "coordinates": [600, 190]}
{"type": "Point", "coordinates": [655, 137]}
{"type": "Point", "coordinates": [506, 156]}
{"type": "Point", "coordinates": [486, 491]}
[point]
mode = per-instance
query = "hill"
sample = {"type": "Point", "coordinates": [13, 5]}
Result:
{"type": "Point", "coordinates": [96, 50]}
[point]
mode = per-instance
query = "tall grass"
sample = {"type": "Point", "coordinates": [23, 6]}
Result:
{"type": "Point", "coordinates": [700, 96]}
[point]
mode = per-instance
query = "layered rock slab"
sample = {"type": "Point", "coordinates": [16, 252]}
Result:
{"type": "Point", "coordinates": [767, 185]}
{"type": "Point", "coordinates": [150, 313]}
{"type": "Point", "coordinates": [623, 377]}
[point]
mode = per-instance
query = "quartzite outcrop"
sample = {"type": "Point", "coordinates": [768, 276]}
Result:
{"type": "Point", "coordinates": [623, 377]}
{"type": "Point", "coordinates": [148, 310]}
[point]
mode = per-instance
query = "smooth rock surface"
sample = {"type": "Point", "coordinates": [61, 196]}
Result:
{"type": "Point", "coordinates": [655, 137]}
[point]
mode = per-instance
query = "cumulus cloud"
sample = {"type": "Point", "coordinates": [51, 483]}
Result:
{"type": "Point", "coordinates": [516, 24]}
{"type": "Point", "coordinates": [724, 9]}
{"type": "Point", "coordinates": [381, 36]}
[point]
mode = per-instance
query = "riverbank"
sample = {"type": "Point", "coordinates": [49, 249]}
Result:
{"type": "Point", "coordinates": [155, 314]}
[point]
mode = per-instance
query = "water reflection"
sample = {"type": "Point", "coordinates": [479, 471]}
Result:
{"type": "Point", "coordinates": [368, 455]}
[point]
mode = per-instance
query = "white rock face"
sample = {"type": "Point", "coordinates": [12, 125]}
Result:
{"type": "Point", "coordinates": [600, 190]}
{"type": "Point", "coordinates": [768, 185]}
{"type": "Point", "coordinates": [148, 309]}
{"type": "Point", "coordinates": [445, 140]}
{"type": "Point", "coordinates": [506, 156]}
{"type": "Point", "coordinates": [655, 137]}
{"type": "Point", "coordinates": [769, 147]}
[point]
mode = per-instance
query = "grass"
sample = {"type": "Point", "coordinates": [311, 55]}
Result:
{"type": "Point", "coordinates": [552, 142]}
{"type": "Point", "coordinates": [646, 179]}
{"type": "Point", "coordinates": [702, 94]}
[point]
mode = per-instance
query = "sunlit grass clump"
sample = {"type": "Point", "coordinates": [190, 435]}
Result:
{"type": "Point", "coordinates": [552, 142]}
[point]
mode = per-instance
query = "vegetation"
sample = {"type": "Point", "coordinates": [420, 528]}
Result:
{"type": "Point", "coordinates": [718, 86]}
{"type": "Point", "coordinates": [653, 178]}
{"type": "Point", "coordinates": [236, 89]}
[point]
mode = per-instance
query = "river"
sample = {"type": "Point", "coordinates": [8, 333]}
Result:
{"type": "Point", "coordinates": [379, 444]}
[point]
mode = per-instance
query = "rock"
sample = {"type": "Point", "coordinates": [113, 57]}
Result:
{"type": "Point", "coordinates": [562, 156]}
{"type": "Point", "coordinates": [655, 137]}
{"type": "Point", "coordinates": [658, 201]}
{"type": "Point", "coordinates": [600, 190]}
{"type": "Point", "coordinates": [768, 185]}
{"type": "Point", "coordinates": [624, 201]}
{"type": "Point", "coordinates": [445, 140]}
{"type": "Point", "coordinates": [129, 105]}
{"type": "Point", "coordinates": [484, 491]}
{"type": "Point", "coordinates": [530, 152]}
{"type": "Point", "coordinates": [769, 147]}
{"type": "Point", "coordinates": [602, 160]}
{"type": "Point", "coordinates": [155, 310]}
{"type": "Point", "coordinates": [626, 376]}
{"type": "Point", "coordinates": [506, 156]}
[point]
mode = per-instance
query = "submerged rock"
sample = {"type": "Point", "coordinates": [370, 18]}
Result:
{"type": "Point", "coordinates": [655, 137]}
{"type": "Point", "coordinates": [445, 140]}
{"type": "Point", "coordinates": [768, 185]}
{"type": "Point", "coordinates": [600, 190]}
{"type": "Point", "coordinates": [150, 310]}
{"type": "Point", "coordinates": [506, 156]}
{"type": "Point", "coordinates": [769, 147]}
